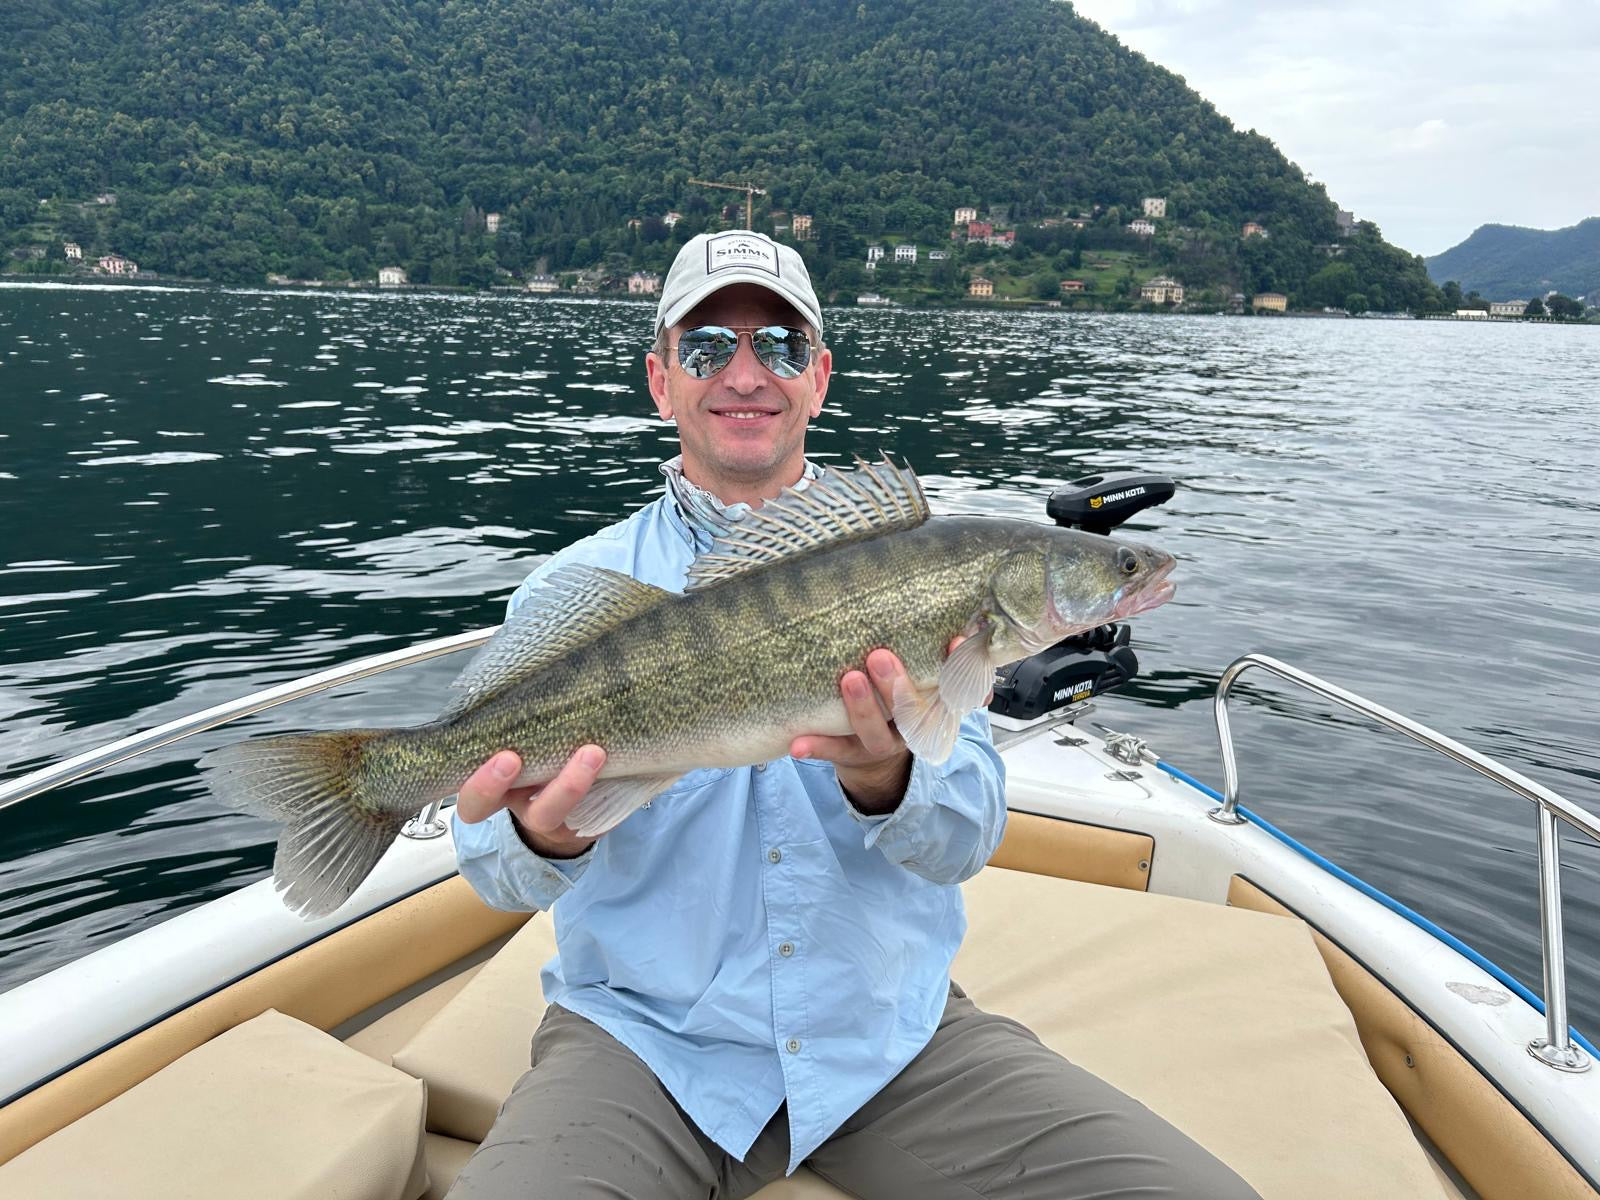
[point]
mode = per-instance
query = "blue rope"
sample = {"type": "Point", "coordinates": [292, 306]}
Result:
{"type": "Point", "coordinates": [1389, 902]}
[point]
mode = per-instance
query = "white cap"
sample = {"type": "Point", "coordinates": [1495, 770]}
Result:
{"type": "Point", "coordinates": [710, 262]}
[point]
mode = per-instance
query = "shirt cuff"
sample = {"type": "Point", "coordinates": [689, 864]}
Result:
{"type": "Point", "coordinates": [533, 872]}
{"type": "Point", "coordinates": [912, 811]}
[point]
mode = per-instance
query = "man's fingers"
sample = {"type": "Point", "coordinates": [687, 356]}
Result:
{"type": "Point", "coordinates": [868, 713]}
{"type": "Point", "coordinates": [485, 792]}
{"type": "Point", "coordinates": [547, 811]}
{"type": "Point", "coordinates": [828, 749]}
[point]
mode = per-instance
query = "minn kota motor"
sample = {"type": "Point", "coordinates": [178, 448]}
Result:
{"type": "Point", "coordinates": [1085, 664]}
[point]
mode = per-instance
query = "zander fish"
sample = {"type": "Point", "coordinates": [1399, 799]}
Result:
{"type": "Point", "coordinates": [725, 674]}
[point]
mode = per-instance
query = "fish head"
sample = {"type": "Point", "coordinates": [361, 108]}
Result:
{"type": "Point", "coordinates": [1073, 581]}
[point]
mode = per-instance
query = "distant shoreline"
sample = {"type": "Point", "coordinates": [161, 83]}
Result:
{"type": "Point", "coordinates": [149, 281]}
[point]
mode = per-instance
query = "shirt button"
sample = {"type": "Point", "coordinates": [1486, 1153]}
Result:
{"type": "Point", "coordinates": [774, 855]}
{"type": "Point", "coordinates": [792, 1045]}
{"type": "Point", "coordinates": [786, 949]}
{"type": "Point", "coordinates": [761, 766]}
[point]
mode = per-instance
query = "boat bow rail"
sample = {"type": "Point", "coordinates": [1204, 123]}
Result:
{"type": "Point", "coordinates": [90, 762]}
{"type": "Point", "coordinates": [1556, 1049]}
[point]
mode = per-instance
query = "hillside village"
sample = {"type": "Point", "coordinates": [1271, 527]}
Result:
{"type": "Point", "coordinates": [1096, 257]}
{"type": "Point", "coordinates": [1087, 258]}
{"type": "Point", "coordinates": [978, 264]}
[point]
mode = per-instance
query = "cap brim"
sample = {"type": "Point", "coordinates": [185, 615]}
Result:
{"type": "Point", "coordinates": [725, 278]}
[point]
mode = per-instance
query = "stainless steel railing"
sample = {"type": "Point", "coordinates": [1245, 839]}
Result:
{"type": "Point", "coordinates": [91, 761]}
{"type": "Point", "coordinates": [1556, 1049]}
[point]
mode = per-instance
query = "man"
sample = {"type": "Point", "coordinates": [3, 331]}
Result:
{"type": "Point", "coordinates": [753, 971]}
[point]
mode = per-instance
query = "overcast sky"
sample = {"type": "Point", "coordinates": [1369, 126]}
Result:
{"type": "Point", "coordinates": [1429, 118]}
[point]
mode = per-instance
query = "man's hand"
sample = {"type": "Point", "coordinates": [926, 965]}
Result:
{"type": "Point", "coordinates": [539, 813]}
{"type": "Point", "coordinates": [873, 763]}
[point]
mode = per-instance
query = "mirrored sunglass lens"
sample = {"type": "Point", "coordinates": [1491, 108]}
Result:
{"type": "Point", "coordinates": [783, 351]}
{"type": "Point", "coordinates": [704, 351]}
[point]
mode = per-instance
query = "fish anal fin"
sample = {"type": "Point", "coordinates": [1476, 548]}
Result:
{"type": "Point", "coordinates": [574, 605]}
{"type": "Point", "coordinates": [842, 506]}
{"type": "Point", "coordinates": [609, 801]}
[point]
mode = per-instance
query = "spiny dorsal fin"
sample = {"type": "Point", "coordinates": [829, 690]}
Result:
{"type": "Point", "coordinates": [842, 506]}
{"type": "Point", "coordinates": [573, 605]}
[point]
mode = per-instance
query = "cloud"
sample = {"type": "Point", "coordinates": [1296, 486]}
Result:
{"type": "Point", "coordinates": [1430, 118]}
{"type": "Point", "coordinates": [1425, 136]}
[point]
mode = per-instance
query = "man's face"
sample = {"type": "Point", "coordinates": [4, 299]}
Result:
{"type": "Point", "coordinates": [743, 430]}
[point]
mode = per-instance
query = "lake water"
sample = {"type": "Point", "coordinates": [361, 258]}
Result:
{"type": "Point", "coordinates": [206, 492]}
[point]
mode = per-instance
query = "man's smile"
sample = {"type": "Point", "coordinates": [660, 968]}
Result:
{"type": "Point", "coordinates": [745, 411]}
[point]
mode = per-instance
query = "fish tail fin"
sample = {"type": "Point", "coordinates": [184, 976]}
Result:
{"type": "Point", "coordinates": [336, 826]}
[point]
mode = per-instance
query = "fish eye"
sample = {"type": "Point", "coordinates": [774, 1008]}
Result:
{"type": "Point", "coordinates": [1127, 561]}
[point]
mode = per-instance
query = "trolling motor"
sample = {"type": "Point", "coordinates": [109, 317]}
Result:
{"type": "Point", "coordinates": [1099, 660]}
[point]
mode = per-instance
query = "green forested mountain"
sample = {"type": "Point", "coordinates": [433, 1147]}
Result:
{"type": "Point", "coordinates": [1509, 262]}
{"type": "Point", "coordinates": [325, 138]}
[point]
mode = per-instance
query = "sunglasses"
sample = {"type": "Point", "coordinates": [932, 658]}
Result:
{"type": "Point", "coordinates": [704, 351]}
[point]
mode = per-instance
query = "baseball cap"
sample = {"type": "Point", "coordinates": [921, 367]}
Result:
{"type": "Point", "coordinates": [710, 262]}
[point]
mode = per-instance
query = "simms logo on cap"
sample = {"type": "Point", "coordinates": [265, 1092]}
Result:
{"type": "Point", "coordinates": [740, 250]}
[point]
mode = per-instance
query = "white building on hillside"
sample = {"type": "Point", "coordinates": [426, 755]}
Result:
{"type": "Point", "coordinates": [906, 252]}
{"type": "Point", "coordinates": [1162, 290]}
{"type": "Point", "coordinates": [1155, 206]}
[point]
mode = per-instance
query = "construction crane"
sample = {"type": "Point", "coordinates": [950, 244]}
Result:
{"type": "Point", "coordinates": [750, 190]}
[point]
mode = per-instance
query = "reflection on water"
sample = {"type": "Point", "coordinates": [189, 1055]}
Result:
{"type": "Point", "coordinates": [207, 492]}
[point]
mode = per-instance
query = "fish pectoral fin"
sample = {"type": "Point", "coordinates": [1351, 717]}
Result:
{"type": "Point", "coordinates": [967, 676]}
{"type": "Point", "coordinates": [927, 724]}
{"type": "Point", "coordinates": [610, 800]}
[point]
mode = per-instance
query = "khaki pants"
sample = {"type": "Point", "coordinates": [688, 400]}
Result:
{"type": "Point", "coordinates": [985, 1110]}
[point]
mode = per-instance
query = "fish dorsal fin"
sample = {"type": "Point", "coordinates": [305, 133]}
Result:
{"type": "Point", "coordinates": [571, 606]}
{"type": "Point", "coordinates": [841, 506]}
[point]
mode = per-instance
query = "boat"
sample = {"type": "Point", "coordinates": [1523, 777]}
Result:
{"type": "Point", "coordinates": [1313, 1033]}
{"type": "Point", "coordinates": [873, 300]}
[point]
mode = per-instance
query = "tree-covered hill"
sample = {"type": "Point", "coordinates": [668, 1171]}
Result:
{"type": "Point", "coordinates": [324, 138]}
{"type": "Point", "coordinates": [1510, 262]}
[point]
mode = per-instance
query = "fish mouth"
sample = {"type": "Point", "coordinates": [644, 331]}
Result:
{"type": "Point", "coordinates": [1153, 593]}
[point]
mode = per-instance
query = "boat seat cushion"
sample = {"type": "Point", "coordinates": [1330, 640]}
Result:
{"type": "Point", "coordinates": [1221, 1020]}
{"type": "Point", "coordinates": [273, 1108]}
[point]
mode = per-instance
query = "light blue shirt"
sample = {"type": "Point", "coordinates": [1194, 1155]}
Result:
{"type": "Point", "coordinates": [750, 935]}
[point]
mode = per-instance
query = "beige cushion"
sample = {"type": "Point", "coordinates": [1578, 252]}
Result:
{"type": "Point", "coordinates": [445, 1156]}
{"type": "Point", "coordinates": [479, 1044]}
{"type": "Point", "coordinates": [1221, 1020]}
{"type": "Point", "coordinates": [381, 1038]}
{"type": "Point", "coordinates": [272, 1108]}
